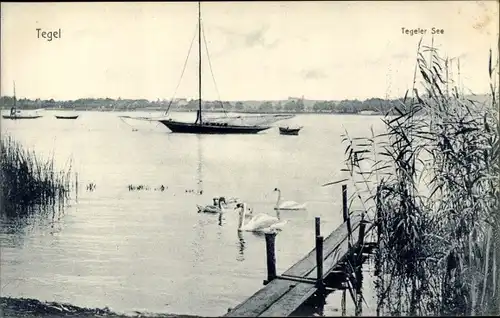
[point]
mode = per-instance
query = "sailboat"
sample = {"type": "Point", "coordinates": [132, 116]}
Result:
{"type": "Point", "coordinates": [235, 125]}
{"type": "Point", "coordinates": [16, 113]}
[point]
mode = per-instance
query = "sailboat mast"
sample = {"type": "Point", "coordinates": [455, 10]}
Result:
{"type": "Point", "coordinates": [14, 93]}
{"type": "Point", "coordinates": [199, 60]}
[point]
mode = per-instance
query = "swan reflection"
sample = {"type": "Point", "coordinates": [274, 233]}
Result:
{"type": "Point", "coordinates": [241, 247]}
{"type": "Point", "coordinates": [220, 218]}
{"type": "Point", "coordinates": [199, 170]}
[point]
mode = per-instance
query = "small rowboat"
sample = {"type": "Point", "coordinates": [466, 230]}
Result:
{"type": "Point", "coordinates": [290, 131]}
{"type": "Point", "coordinates": [21, 116]}
{"type": "Point", "coordinates": [66, 116]}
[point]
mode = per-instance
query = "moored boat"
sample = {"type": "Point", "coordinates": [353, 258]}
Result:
{"type": "Point", "coordinates": [211, 127]}
{"type": "Point", "coordinates": [229, 125]}
{"type": "Point", "coordinates": [16, 116]}
{"type": "Point", "coordinates": [289, 131]}
{"type": "Point", "coordinates": [66, 116]}
{"type": "Point", "coordinates": [17, 113]}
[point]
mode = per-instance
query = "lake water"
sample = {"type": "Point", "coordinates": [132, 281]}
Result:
{"type": "Point", "coordinates": [150, 250]}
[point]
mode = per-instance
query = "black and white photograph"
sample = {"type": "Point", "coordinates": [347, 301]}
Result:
{"type": "Point", "coordinates": [249, 158]}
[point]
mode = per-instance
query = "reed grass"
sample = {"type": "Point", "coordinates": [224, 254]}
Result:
{"type": "Point", "coordinates": [27, 181]}
{"type": "Point", "coordinates": [431, 183]}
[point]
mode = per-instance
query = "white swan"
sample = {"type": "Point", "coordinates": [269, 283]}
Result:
{"type": "Point", "coordinates": [287, 205]}
{"type": "Point", "coordinates": [231, 202]}
{"type": "Point", "coordinates": [215, 208]}
{"type": "Point", "coordinates": [262, 223]}
{"type": "Point", "coordinates": [248, 211]}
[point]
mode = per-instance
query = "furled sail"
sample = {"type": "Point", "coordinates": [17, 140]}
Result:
{"type": "Point", "coordinates": [251, 120]}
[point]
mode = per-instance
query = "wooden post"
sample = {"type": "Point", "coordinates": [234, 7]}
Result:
{"type": "Point", "coordinates": [359, 283]}
{"type": "Point", "coordinates": [319, 262]}
{"type": "Point", "coordinates": [361, 236]}
{"type": "Point", "coordinates": [378, 224]}
{"type": "Point", "coordinates": [345, 212]}
{"type": "Point", "coordinates": [271, 257]}
{"type": "Point", "coordinates": [320, 306]}
{"type": "Point", "coordinates": [343, 303]}
{"type": "Point", "coordinates": [378, 219]}
{"type": "Point", "coordinates": [317, 226]}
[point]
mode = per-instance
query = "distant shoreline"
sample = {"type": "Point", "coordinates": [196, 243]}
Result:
{"type": "Point", "coordinates": [307, 112]}
{"type": "Point", "coordinates": [295, 106]}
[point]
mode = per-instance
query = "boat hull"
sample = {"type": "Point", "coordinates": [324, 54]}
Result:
{"type": "Point", "coordinates": [20, 117]}
{"type": "Point", "coordinates": [67, 117]}
{"type": "Point", "coordinates": [210, 128]}
{"type": "Point", "coordinates": [287, 131]}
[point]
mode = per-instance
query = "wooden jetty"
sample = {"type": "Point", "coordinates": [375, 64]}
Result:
{"type": "Point", "coordinates": [320, 271]}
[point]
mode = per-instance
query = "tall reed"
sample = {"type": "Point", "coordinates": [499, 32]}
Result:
{"type": "Point", "coordinates": [27, 181]}
{"type": "Point", "coordinates": [431, 182]}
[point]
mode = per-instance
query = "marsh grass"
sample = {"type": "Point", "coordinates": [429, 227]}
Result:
{"type": "Point", "coordinates": [28, 182]}
{"type": "Point", "coordinates": [431, 183]}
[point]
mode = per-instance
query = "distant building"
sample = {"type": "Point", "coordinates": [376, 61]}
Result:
{"type": "Point", "coordinates": [296, 99]}
{"type": "Point", "coordinates": [180, 100]}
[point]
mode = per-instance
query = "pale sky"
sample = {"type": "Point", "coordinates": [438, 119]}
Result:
{"type": "Point", "coordinates": [259, 50]}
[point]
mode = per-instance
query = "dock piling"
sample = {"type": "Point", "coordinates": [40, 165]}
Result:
{"type": "Point", "coordinates": [361, 236]}
{"type": "Point", "coordinates": [271, 257]}
{"type": "Point", "coordinates": [345, 212]}
{"type": "Point", "coordinates": [319, 262]}
{"type": "Point", "coordinates": [378, 220]}
{"type": "Point", "coordinates": [317, 226]}
{"type": "Point", "coordinates": [361, 240]}
{"type": "Point", "coordinates": [343, 303]}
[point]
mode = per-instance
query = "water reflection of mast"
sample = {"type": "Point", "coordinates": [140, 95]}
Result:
{"type": "Point", "coordinates": [200, 164]}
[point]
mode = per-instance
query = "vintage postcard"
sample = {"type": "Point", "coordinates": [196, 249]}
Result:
{"type": "Point", "coordinates": [240, 158]}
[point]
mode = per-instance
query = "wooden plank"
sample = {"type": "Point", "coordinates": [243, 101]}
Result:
{"type": "Point", "coordinates": [290, 302]}
{"type": "Point", "coordinates": [287, 304]}
{"type": "Point", "coordinates": [262, 299]}
{"type": "Point", "coordinates": [282, 297]}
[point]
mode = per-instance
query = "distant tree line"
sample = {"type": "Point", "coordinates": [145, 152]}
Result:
{"type": "Point", "coordinates": [292, 105]}
{"type": "Point", "coordinates": [373, 105]}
